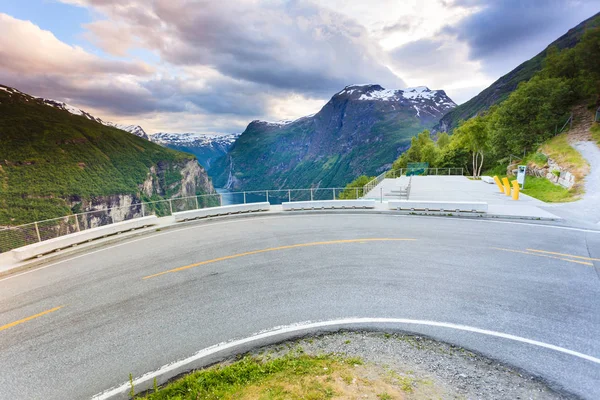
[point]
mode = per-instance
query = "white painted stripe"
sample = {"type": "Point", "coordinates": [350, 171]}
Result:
{"type": "Point", "coordinates": [480, 220]}
{"type": "Point", "coordinates": [307, 326]}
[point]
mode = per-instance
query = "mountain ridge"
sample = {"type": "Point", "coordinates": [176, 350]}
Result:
{"type": "Point", "coordinates": [357, 131]}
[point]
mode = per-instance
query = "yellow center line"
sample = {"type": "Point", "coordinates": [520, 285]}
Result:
{"type": "Point", "coordinates": [543, 255]}
{"type": "Point", "coordinates": [566, 255]}
{"type": "Point", "coordinates": [3, 327]}
{"type": "Point", "coordinates": [293, 246]}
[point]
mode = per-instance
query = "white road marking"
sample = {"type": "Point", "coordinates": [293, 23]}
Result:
{"type": "Point", "coordinates": [284, 216]}
{"type": "Point", "coordinates": [295, 328]}
{"type": "Point", "coordinates": [568, 228]}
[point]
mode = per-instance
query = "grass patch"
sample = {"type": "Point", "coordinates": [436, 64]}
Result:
{"type": "Point", "coordinates": [559, 149]}
{"type": "Point", "coordinates": [544, 190]}
{"type": "Point", "coordinates": [596, 133]}
{"type": "Point", "coordinates": [292, 376]}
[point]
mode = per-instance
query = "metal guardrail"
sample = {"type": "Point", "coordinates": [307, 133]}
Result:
{"type": "Point", "coordinates": [396, 173]}
{"type": "Point", "coordinates": [13, 237]}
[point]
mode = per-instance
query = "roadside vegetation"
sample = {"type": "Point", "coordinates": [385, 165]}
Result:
{"type": "Point", "coordinates": [540, 188]}
{"type": "Point", "coordinates": [354, 189]}
{"type": "Point", "coordinates": [559, 149]}
{"type": "Point", "coordinates": [596, 133]}
{"type": "Point", "coordinates": [293, 376]}
{"type": "Point", "coordinates": [525, 124]}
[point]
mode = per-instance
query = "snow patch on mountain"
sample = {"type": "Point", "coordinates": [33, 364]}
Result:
{"type": "Point", "coordinates": [133, 129]}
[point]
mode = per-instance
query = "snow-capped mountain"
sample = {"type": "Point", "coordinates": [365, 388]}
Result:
{"type": "Point", "coordinates": [420, 98]}
{"type": "Point", "coordinates": [134, 129]}
{"type": "Point", "coordinates": [206, 147]}
{"type": "Point", "coordinates": [361, 130]}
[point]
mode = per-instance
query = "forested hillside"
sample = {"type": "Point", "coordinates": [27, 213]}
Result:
{"type": "Point", "coordinates": [53, 163]}
{"type": "Point", "coordinates": [501, 89]}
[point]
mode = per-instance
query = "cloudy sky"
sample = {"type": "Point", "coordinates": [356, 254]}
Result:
{"type": "Point", "coordinates": [215, 65]}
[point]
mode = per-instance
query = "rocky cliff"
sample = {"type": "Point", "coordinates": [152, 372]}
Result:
{"type": "Point", "coordinates": [360, 130]}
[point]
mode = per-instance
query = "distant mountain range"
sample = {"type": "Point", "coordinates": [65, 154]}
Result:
{"type": "Point", "coordinates": [505, 85]}
{"type": "Point", "coordinates": [361, 130]}
{"type": "Point", "coordinates": [206, 147]}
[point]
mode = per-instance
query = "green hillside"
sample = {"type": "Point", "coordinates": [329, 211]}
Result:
{"type": "Point", "coordinates": [50, 158]}
{"type": "Point", "coordinates": [499, 90]}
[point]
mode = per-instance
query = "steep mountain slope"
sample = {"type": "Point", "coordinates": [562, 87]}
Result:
{"type": "Point", "coordinates": [206, 147]}
{"type": "Point", "coordinates": [135, 129]}
{"type": "Point", "coordinates": [500, 89]}
{"type": "Point", "coordinates": [361, 128]}
{"type": "Point", "coordinates": [53, 162]}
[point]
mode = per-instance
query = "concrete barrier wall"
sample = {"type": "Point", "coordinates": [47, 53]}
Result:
{"type": "Point", "coordinates": [455, 206]}
{"type": "Point", "coordinates": [327, 204]}
{"type": "Point", "coordinates": [47, 246]}
{"type": "Point", "coordinates": [224, 210]}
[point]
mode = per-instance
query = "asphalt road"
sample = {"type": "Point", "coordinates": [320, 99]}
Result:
{"type": "Point", "coordinates": [243, 276]}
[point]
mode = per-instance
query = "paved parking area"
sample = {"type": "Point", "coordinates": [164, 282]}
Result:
{"type": "Point", "coordinates": [461, 188]}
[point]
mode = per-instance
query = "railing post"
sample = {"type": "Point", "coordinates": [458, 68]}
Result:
{"type": "Point", "coordinates": [220, 199]}
{"type": "Point", "coordinates": [170, 206]}
{"type": "Point", "coordinates": [357, 193]}
{"type": "Point", "coordinates": [333, 193]}
{"type": "Point", "coordinates": [267, 196]}
{"type": "Point", "coordinates": [77, 223]}
{"type": "Point", "coordinates": [197, 205]}
{"type": "Point", "coordinates": [289, 195]}
{"type": "Point", "coordinates": [244, 197]}
{"type": "Point", "coordinates": [143, 211]}
{"type": "Point", "coordinates": [381, 193]}
{"type": "Point", "coordinates": [311, 194]}
{"type": "Point", "coordinates": [571, 125]}
{"type": "Point", "coordinates": [37, 231]}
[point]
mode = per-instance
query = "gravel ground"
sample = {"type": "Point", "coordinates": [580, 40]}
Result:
{"type": "Point", "coordinates": [455, 373]}
{"type": "Point", "coordinates": [588, 208]}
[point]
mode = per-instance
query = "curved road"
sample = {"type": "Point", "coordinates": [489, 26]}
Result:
{"type": "Point", "coordinates": [78, 327]}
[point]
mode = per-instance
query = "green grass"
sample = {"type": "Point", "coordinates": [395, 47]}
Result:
{"type": "Point", "coordinates": [543, 189]}
{"type": "Point", "coordinates": [253, 377]}
{"type": "Point", "coordinates": [559, 149]}
{"type": "Point", "coordinates": [596, 133]}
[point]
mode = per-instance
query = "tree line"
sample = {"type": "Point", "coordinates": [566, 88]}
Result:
{"type": "Point", "coordinates": [532, 114]}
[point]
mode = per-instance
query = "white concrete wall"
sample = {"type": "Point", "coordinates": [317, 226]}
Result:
{"type": "Point", "coordinates": [224, 210]}
{"type": "Point", "coordinates": [327, 204]}
{"type": "Point", "coordinates": [47, 246]}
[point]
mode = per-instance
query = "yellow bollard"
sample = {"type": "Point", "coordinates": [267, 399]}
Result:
{"type": "Point", "coordinates": [516, 190]}
{"type": "Point", "coordinates": [497, 180]}
{"type": "Point", "coordinates": [506, 186]}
